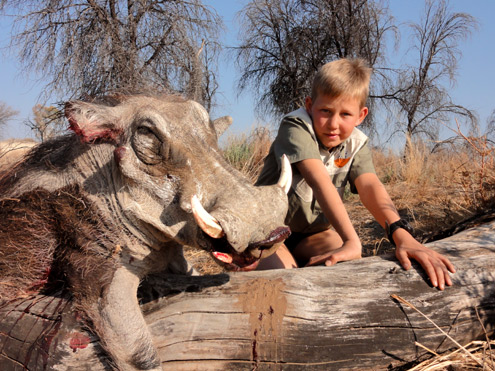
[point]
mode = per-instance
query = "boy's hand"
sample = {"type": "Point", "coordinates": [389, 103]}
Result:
{"type": "Point", "coordinates": [437, 266]}
{"type": "Point", "coordinates": [376, 199]}
{"type": "Point", "coordinates": [350, 250]}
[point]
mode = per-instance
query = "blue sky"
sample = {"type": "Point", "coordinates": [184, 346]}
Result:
{"type": "Point", "coordinates": [474, 88]}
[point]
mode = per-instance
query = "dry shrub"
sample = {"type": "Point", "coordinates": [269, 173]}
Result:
{"type": "Point", "coordinates": [415, 182]}
{"type": "Point", "coordinates": [247, 152]}
{"type": "Point", "coordinates": [13, 150]}
{"type": "Point", "coordinates": [477, 175]}
{"type": "Point", "coordinates": [386, 165]}
{"type": "Point", "coordinates": [454, 182]}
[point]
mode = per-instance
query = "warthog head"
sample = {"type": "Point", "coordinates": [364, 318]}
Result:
{"type": "Point", "coordinates": [171, 178]}
{"type": "Point", "coordinates": [99, 210]}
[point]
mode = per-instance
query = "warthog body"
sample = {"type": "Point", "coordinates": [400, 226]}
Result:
{"type": "Point", "coordinates": [96, 211]}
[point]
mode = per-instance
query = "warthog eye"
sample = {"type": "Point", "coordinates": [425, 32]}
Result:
{"type": "Point", "coordinates": [147, 146]}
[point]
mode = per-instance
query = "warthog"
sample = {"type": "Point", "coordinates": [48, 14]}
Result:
{"type": "Point", "coordinates": [97, 210]}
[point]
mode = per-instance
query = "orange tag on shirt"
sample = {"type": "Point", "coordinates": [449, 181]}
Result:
{"type": "Point", "coordinates": [341, 162]}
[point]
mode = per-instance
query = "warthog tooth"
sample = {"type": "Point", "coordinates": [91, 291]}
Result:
{"type": "Point", "coordinates": [206, 222]}
{"type": "Point", "coordinates": [285, 180]}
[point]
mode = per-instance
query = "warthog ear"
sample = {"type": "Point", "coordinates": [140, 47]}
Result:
{"type": "Point", "coordinates": [221, 124]}
{"type": "Point", "coordinates": [92, 122]}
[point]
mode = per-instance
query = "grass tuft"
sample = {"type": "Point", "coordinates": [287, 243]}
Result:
{"type": "Point", "coordinates": [247, 152]}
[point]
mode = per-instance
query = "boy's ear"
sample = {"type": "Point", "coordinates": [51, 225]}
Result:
{"type": "Point", "coordinates": [308, 103]}
{"type": "Point", "coordinates": [362, 115]}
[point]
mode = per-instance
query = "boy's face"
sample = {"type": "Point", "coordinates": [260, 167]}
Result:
{"type": "Point", "coordinates": [334, 118]}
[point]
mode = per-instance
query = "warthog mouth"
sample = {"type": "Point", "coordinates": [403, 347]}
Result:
{"type": "Point", "coordinates": [225, 254]}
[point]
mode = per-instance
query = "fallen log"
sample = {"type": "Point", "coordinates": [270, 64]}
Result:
{"type": "Point", "coordinates": [319, 318]}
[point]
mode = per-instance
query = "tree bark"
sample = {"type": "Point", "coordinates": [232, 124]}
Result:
{"type": "Point", "coordinates": [319, 318]}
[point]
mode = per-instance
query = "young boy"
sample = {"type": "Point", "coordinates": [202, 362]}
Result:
{"type": "Point", "coordinates": [326, 151]}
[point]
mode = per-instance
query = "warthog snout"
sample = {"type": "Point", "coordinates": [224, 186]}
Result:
{"type": "Point", "coordinates": [247, 258]}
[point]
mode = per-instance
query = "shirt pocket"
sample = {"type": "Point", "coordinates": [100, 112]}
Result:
{"type": "Point", "coordinates": [301, 188]}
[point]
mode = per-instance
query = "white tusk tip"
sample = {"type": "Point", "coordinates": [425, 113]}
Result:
{"type": "Point", "coordinates": [205, 221]}
{"type": "Point", "coordinates": [285, 180]}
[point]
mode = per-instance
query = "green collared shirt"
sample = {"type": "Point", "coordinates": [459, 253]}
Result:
{"type": "Point", "coordinates": [297, 140]}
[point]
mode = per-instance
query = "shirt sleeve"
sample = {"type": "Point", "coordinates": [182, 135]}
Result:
{"type": "Point", "coordinates": [362, 164]}
{"type": "Point", "coordinates": [295, 141]}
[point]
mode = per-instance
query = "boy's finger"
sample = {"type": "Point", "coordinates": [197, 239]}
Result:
{"type": "Point", "coordinates": [334, 259]}
{"type": "Point", "coordinates": [430, 271]}
{"type": "Point", "coordinates": [443, 275]}
{"type": "Point", "coordinates": [448, 264]}
{"type": "Point", "coordinates": [315, 260]}
{"type": "Point", "coordinates": [328, 259]}
{"type": "Point", "coordinates": [448, 280]}
{"type": "Point", "coordinates": [403, 259]}
{"type": "Point", "coordinates": [338, 256]}
{"type": "Point", "coordinates": [440, 273]}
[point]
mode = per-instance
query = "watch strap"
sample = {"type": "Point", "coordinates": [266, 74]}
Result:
{"type": "Point", "coordinates": [390, 229]}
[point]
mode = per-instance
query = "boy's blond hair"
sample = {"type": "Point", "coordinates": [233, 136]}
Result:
{"type": "Point", "coordinates": [349, 77]}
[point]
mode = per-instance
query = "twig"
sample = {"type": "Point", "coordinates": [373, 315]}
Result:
{"type": "Point", "coordinates": [427, 349]}
{"type": "Point", "coordinates": [486, 337]}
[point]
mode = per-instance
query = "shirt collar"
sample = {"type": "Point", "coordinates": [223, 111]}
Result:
{"type": "Point", "coordinates": [333, 149]}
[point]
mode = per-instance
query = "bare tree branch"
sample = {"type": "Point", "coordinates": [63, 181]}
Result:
{"type": "Point", "coordinates": [6, 113]}
{"type": "Point", "coordinates": [95, 46]}
{"type": "Point", "coordinates": [419, 90]}
{"type": "Point", "coordinates": [47, 122]}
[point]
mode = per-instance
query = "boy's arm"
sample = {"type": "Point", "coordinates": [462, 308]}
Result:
{"type": "Point", "coordinates": [375, 198]}
{"type": "Point", "coordinates": [315, 174]}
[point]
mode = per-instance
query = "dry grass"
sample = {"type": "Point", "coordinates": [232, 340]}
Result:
{"type": "Point", "coordinates": [477, 355]}
{"type": "Point", "coordinates": [247, 152]}
{"type": "Point", "coordinates": [434, 191]}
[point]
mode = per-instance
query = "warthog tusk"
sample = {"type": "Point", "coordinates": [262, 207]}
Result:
{"type": "Point", "coordinates": [285, 180]}
{"type": "Point", "coordinates": [206, 222]}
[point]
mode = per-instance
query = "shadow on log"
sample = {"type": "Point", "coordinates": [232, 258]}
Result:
{"type": "Point", "coordinates": [320, 318]}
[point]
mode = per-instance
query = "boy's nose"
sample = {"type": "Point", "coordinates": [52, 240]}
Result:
{"type": "Point", "coordinates": [333, 122]}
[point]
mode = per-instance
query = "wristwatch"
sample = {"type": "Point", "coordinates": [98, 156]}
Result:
{"type": "Point", "coordinates": [390, 229]}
